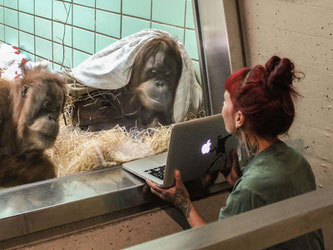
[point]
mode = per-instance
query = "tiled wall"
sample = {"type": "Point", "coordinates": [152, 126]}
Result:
{"type": "Point", "coordinates": [40, 27]}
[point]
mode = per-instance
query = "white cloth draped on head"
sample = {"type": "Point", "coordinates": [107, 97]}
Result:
{"type": "Point", "coordinates": [110, 69]}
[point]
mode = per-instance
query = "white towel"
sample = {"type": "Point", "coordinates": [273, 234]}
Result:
{"type": "Point", "coordinates": [110, 69]}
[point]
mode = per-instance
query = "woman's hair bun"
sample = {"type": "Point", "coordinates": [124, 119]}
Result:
{"type": "Point", "coordinates": [280, 75]}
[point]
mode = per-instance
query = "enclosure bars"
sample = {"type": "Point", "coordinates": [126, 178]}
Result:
{"type": "Point", "coordinates": [256, 229]}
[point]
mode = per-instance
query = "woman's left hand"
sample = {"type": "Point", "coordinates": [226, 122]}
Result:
{"type": "Point", "coordinates": [177, 195]}
{"type": "Point", "coordinates": [235, 172]}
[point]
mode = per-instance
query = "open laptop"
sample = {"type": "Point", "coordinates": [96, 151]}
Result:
{"type": "Point", "coordinates": [196, 147]}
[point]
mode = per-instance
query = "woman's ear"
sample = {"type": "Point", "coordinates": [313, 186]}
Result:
{"type": "Point", "coordinates": [239, 119]}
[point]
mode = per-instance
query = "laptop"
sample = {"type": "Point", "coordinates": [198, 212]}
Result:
{"type": "Point", "coordinates": [196, 147]}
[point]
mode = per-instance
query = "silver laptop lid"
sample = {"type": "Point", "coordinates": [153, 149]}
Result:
{"type": "Point", "coordinates": [196, 147]}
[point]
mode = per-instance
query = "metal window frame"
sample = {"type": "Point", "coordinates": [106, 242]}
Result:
{"type": "Point", "coordinates": [220, 47]}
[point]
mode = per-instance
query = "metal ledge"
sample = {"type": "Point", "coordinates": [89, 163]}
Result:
{"type": "Point", "coordinates": [31, 208]}
{"type": "Point", "coordinates": [34, 207]}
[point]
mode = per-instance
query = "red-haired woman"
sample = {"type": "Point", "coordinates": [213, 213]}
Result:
{"type": "Point", "coordinates": [258, 107]}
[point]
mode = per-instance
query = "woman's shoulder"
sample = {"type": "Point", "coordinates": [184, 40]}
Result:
{"type": "Point", "coordinates": [263, 181]}
{"type": "Point", "coordinates": [282, 171]}
{"type": "Point", "coordinates": [281, 158]}
{"type": "Point", "coordinates": [286, 151]}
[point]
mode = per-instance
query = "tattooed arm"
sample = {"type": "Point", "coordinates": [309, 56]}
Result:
{"type": "Point", "coordinates": [179, 197]}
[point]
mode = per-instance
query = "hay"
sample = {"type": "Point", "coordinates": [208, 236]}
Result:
{"type": "Point", "coordinates": [76, 151]}
{"type": "Point", "coordinates": [77, 92]}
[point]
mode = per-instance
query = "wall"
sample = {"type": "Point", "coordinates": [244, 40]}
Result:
{"type": "Point", "coordinates": [40, 28]}
{"type": "Point", "coordinates": [303, 31]}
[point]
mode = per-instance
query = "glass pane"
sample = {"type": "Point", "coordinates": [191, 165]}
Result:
{"type": "Point", "coordinates": [131, 69]}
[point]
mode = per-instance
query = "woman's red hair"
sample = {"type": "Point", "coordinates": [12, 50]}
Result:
{"type": "Point", "coordinates": [265, 94]}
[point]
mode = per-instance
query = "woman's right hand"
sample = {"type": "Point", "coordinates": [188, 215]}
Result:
{"type": "Point", "coordinates": [177, 195]}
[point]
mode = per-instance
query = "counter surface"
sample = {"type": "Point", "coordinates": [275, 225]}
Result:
{"type": "Point", "coordinates": [42, 205]}
{"type": "Point", "coordinates": [47, 204]}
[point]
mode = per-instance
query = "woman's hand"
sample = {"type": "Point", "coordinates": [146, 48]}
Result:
{"type": "Point", "coordinates": [235, 173]}
{"type": "Point", "coordinates": [177, 195]}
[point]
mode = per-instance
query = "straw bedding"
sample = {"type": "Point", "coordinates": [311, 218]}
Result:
{"type": "Point", "coordinates": [77, 150]}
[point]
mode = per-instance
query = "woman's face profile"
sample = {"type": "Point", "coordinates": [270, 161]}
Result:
{"type": "Point", "coordinates": [228, 113]}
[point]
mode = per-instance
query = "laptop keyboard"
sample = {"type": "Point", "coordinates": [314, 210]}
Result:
{"type": "Point", "coordinates": [157, 172]}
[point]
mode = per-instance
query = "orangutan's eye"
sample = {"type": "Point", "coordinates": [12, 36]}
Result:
{"type": "Point", "coordinates": [25, 90]}
{"type": "Point", "coordinates": [47, 105]}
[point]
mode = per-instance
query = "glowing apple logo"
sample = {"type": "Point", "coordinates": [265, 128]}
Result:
{"type": "Point", "coordinates": [205, 149]}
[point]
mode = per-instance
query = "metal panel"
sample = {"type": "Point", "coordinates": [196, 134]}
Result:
{"type": "Point", "coordinates": [220, 47]}
{"type": "Point", "coordinates": [42, 205]}
{"type": "Point", "coordinates": [47, 204]}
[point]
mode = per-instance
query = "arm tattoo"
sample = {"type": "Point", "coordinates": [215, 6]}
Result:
{"type": "Point", "coordinates": [251, 148]}
{"type": "Point", "coordinates": [180, 201]}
